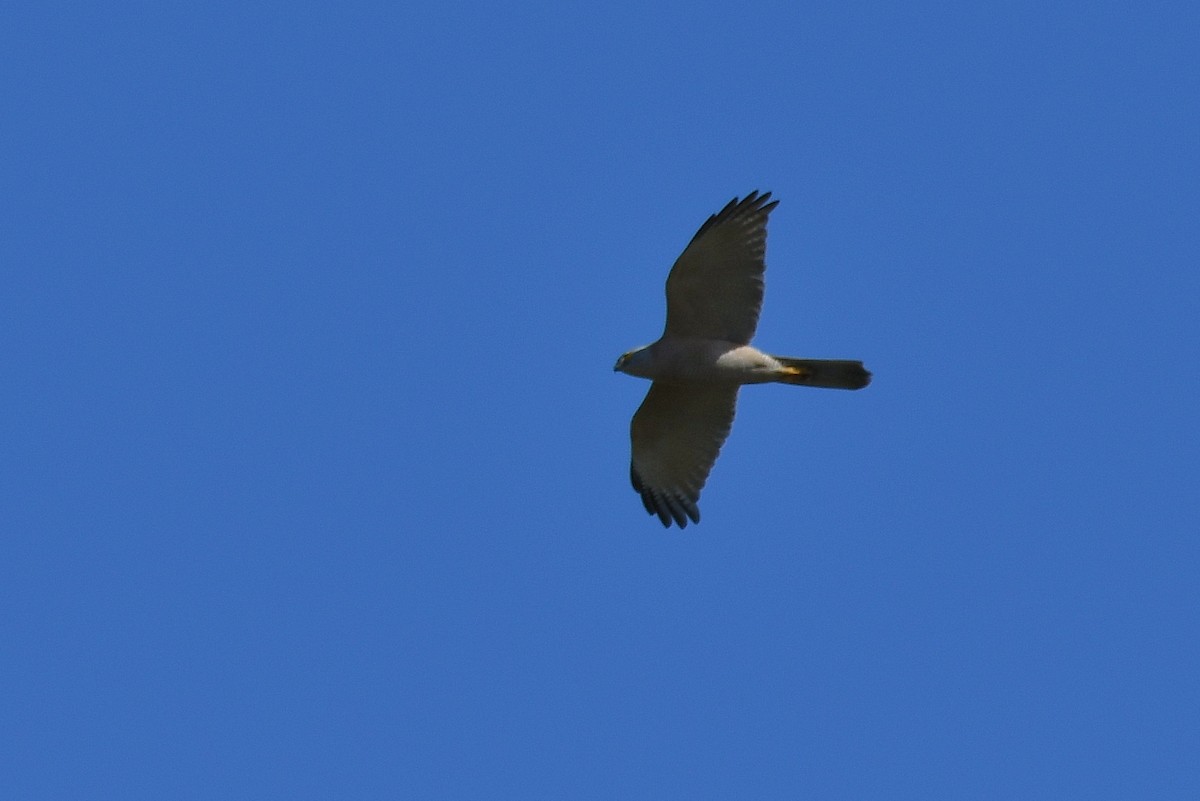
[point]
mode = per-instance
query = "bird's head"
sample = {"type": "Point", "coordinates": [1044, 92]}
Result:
{"type": "Point", "coordinates": [633, 362]}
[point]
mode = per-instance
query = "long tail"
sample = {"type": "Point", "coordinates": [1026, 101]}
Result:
{"type": "Point", "coordinates": [828, 373]}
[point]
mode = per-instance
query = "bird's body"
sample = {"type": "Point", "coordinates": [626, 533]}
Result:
{"type": "Point", "coordinates": [705, 360]}
{"type": "Point", "coordinates": [714, 293]}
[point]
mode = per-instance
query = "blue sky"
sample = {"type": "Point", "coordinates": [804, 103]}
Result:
{"type": "Point", "coordinates": [315, 472]}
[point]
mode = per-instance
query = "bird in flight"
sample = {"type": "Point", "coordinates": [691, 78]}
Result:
{"type": "Point", "coordinates": [714, 294]}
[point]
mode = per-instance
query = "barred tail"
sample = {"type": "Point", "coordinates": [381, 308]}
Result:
{"type": "Point", "coordinates": [828, 373]}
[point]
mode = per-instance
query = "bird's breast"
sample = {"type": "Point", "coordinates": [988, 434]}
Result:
{"type": "Point", "coordinates": [711, 361]}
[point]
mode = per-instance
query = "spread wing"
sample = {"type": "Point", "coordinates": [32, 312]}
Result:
{"type": "Point", "coordinates": [715, 289]}
{"type": "Point", "coordinates": [677, 433]}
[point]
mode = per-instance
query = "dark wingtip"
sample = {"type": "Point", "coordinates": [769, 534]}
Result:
{"type": "Point", "coordinates": [750, 207]}
{"type": "Point", "coordinates": [670, 509]}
